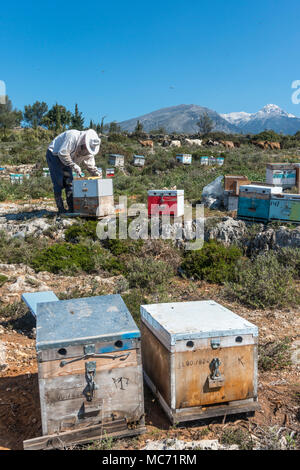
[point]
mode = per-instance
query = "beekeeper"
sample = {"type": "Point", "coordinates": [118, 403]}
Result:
{"type": "Point", "coordinates": [66, 153]}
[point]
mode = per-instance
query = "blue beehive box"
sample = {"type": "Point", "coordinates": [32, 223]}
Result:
{"type": "Point", "coordinates": [89, 366]}
{"type": "Point", "coordinates": [285, 207]}
{"type": "Point", "coordinates": [254, 202]}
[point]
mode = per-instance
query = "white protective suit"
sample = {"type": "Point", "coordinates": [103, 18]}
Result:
{"type": "Point", "coordinates": [68, 147]}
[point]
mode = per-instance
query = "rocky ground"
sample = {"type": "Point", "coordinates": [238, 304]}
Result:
{"type": "Point", "coordinates": [275, 424]}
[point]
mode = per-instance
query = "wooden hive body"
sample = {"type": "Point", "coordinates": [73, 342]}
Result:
{"type": "Point", "coordinates": [180, 345]}
{"type": "Point", "coordinates": [89, 369]}
{"type": "Point", "coordinates": [93, 196]}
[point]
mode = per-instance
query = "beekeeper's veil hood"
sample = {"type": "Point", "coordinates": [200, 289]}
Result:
{"type": "Point", "coordinates": [89, 143]}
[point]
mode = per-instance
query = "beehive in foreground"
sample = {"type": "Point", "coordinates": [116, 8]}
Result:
{"type": "Point", "coordinates": [89, 370]}
{"type": "Point", "coordinates": [199, 359]}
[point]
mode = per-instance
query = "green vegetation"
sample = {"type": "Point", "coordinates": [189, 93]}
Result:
{"type": "Point", "coordinates": [17, 317]}
{"type": "Point", "coordinates": [264, 282]}
{"type": "Point", "coordinates": [239, 437]}
{"type": "Point", "coordinates": [213, 263]}
{"type": "Point", "coordinates": [274, 355]}
{"type": "Point", "coordinates": [65, 258]}
{"type": "Point", "coordinates": [81, 231]}
{"type": "Point", "coordinates": [148, 274]}
{"type": "Point", "coordinates": [3, 279]}
{"type": "Point", "coordinates": [18, 250]}
{"type": "Point", "coordinates": [69, 259]}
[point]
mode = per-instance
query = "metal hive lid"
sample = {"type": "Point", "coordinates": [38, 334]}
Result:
{"type": "Point", "coordinates": [192, 320]}
{"type": "Point", "coordinates": [84, 320]}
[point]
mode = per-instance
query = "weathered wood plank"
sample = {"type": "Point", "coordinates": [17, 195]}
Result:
{"type": "Point", "coordinates": [198, 413]}
{"type": "Point", "coordinates": [192, 369]}
{"type": "Point", "coordinates": [82, 436]}
{"type": "Point", "coordinates": [54, 369]}
{"type": "Point", "coordinates": [119, 393]}
{"type": "Point", "coordinates": [72, 351]}
{"type": "Point", "coordinates": [156, 362]}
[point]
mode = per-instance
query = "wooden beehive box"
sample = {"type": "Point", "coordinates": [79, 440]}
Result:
{"type": "Point", "coordinates": [89, 370]}
{"type": "Point", "coordinates": [199, 359]}
{"type": "Point", "coordinates": [93, 196]}
{"type": "Point", "coordinates": [232, 183]}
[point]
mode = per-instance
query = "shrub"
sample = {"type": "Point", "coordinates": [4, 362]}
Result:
{"type": "Point", "coordinates": [263, 282]}
{"type": "Point", "coordinates": [133, 300]}
{"type": "Point", "coordinates": [290, 257]}
{"type": "Point", "coordinates": [69, 258]}
{"type": "Point", "coordinates": [148, 274]}
{"type": "Point", "coordinates": [18, 250]}
{"type": "Point", "coordinates": [239, 437]}
{"type": "Point", "coordinates": [17, 316]}
{"type": "Point", "coordinates": [119, 247]}
{"type": "Point", "coordinates": [213, 263]}
{"type": "Point", "coordinates": [65, 258]}
{"type": "Point", "coordinates": [274, 355]}
{"type": "Point", "coordinates": [3, 279]}
{"type": "Point", "coordinates": [81, 231]}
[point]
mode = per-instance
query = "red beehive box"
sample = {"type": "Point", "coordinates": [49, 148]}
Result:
{"type": "Point", "coordinates": [110, 173]}
{"type": "Point", "coordinates": [166, 202]}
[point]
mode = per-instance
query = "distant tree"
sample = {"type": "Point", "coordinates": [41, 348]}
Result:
{"type": "Point", "coordinates": [114, 128]}
{"type": "Point", "coordinates": [77, 120]}
{"type": "Point", "coordinates": [101, 127]}
{"type": "Point", "coordinates": [93, 125]}
{"type": "Point", "coordinates": [138, 128]}
{"type": "Point", "coordinates": [58, 118]}
{"type": "Point", "coordinates": [297, 135]}
{"type": "Point", "coordinates": [9, 117]}
{"type": "Point", "coordinates": [33, 114]}
{"type": "Point", "coordinates": [267, 135]}
{"type": "Point", "coordinates": [205, 124]}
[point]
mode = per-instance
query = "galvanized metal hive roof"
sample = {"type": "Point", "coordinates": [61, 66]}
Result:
{"type": "Point", "coordinates": [199, 319]}
{"type": "Point", "coordinates": [82, 321]}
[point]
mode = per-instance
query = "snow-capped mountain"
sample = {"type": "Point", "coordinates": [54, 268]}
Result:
{"type": "Point", "coordinates": [182, 118]}
{"type": "Point", "coordinates": [270, 117]}
{"type": "Point", "coordinates": [237, 118]}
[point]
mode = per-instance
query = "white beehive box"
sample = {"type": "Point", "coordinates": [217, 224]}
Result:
{"type": "Point", "coordinates": [116, 160]}
{"type": "Point", "coordinates": [184, 158]}
{"type": "Point", "coordinates": [281, 174]}
{"type": "Point", "coordinates": [93, 196]}
{"type": "Point", "coordinates": [199, 359]}
{"type": "Point", "coordinates": [138, 160]}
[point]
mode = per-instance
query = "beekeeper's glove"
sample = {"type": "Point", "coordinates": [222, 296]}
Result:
{"type": "Point", "coordinates": [77, 170]}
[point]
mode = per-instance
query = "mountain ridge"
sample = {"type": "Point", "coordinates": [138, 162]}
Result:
{"type": "Point", "coordinates": [183, 118]}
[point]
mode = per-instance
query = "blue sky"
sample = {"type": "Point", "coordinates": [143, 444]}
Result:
{"type": "Point", "coordinates": [124, 59]}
